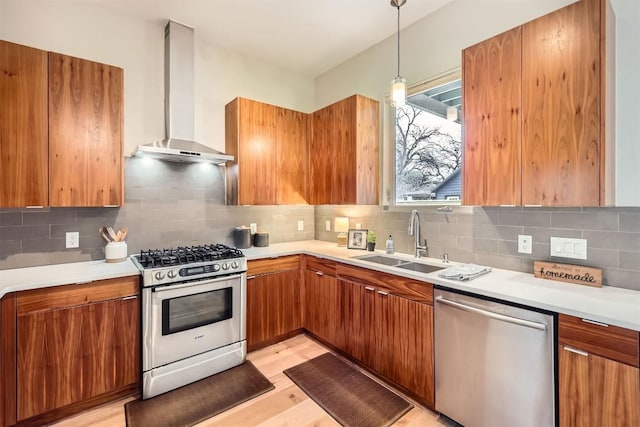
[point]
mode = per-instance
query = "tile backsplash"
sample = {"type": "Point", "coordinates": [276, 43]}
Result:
{"type": "Point", "coordinates": [175, 204]}
{"type": "Point", "coordinates": [489, 236]}
{"type": "Point", "coordinates": [166, 205]}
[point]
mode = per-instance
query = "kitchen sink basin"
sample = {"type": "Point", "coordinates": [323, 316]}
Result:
{"type": "Point", "coordinates": [416, 266]}
{"type": "Point", "coordinates": [379, 259]}
{"type": "Point", "coordinates": [399, 263]}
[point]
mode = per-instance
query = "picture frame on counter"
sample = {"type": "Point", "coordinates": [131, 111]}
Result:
{"type": "Point", "coordinates": [357, 239]}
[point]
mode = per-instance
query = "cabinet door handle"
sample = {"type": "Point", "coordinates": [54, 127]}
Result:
{"type": "Point", "coordinates": [368, 288]}
{"type": "Point", "coordinates": [383, 293]}
{"type": "Point", "coordinates": [575, 350]}
{"type": "Point", "coordinates": [130, 297]}
{"type": "Point", "coordinates": [319, 273]}
{"type": "Point", "coordinates": [251, 277]}
{"type": "Point", "coordinates": [593, 322]}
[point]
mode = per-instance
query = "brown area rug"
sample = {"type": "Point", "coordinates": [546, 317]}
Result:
{"type": "Point", "coordinates": [348, 395]}
{"type": "Point", "coordinates": [198, 401]}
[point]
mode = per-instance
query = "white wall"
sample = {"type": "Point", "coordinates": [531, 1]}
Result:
{"type": "Point", "coordinates": [433, 45]}
{"type": "Point", "coordinates": [92, 32]}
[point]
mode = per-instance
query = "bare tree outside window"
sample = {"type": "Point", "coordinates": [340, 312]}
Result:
{"type": "Point", "coordinates": [428, 152]}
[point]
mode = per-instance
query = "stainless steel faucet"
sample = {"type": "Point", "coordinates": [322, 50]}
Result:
{"type": "Point", "coordinates": [414, 230]}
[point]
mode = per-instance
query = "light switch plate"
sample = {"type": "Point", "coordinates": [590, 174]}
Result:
{"type": "Point", "coordinates": [300, 225]}
{"type": "Point", "coordinates": [254, 227]}
{"type": "Point", "coordinates": [327, 225]}
{"type": "Point", "coordinates": [72, 239]}
{"type": "Point", "coordinates": [568, 248]}
{"type": "Point", "coordinates": [525, 244]}
{"type": "Point", "coordinates": [358, 226]}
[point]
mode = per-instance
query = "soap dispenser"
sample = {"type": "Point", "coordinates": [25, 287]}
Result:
{"type": "Point", "coordinates": [389, 245]}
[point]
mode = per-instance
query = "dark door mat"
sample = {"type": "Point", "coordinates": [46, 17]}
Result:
{"type": "Point", "coordinates": [198, 401]}
{"type": "Point", "coordinates": [348, 395]}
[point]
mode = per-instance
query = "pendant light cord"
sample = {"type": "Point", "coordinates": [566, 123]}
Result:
{"type": "Point", "coordinates": [398, 41]}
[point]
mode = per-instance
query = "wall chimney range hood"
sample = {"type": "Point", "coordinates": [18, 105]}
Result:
{"type": "Point", "coordinates": [179, 102]}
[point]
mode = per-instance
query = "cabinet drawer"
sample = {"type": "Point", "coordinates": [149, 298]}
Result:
{"type": "Point", "coordinates": [608, 341]}
{"type": "Point", "coordinates": [271, 265]}
{"type": "Point", "coordinates": [77, 294]}
{"type": "Point", "coordinates": [321, 264]}
{"type": "Point", "coordinates": [397, 285]}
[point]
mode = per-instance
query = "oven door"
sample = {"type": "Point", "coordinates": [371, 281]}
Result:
{"type": "Point", "coordinates": [186, 319]}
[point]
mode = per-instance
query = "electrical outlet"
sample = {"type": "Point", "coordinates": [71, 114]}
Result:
{"type": "Point", "coordinates": [73, 239]}
{"type": "Point", "coordinates": [358, 226]}
{"type": "Point", "coordinates": [525, 244]}
{"type": "Point", "coordinates": [254, 227]}
{"type": "Point", "coordinates": [300, 225]}
{"type": "Point", "coordinates": [327, 225]}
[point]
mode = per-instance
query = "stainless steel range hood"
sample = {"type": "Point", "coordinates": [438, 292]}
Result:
{"type": "Point", "coordinates": [179, 102]}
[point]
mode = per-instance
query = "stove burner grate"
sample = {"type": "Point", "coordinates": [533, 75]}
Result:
{"type": "Point", "coordinates": [186, 255]}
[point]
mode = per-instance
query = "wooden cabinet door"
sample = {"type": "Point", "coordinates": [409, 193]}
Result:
{"type": "Point", "coordinates": [73, 354]}
{"type": "Point", "coordinates": [358, 317]}
{"type": "Point", "coordinates": [23, 126]}
{"type": "Point", "coordinates": [492, 121]}
{"type": "Point", "coordinates": [367, 143]}
{"type": "Point", "coordinates": [256, 153]}
{"type": "Point", "coordinates": [291, 135]}
{"type": "Point", "coordinates": [597, 392]}
{"type": "Point", "coordinates": [273, 307]}
{"type": "Point", "coordinates": [322, 154]}
{"type": "Point", "coordinates": [405, 344]}
{"type": "Point", "coordinates": [322, 307]}
{"type": "Point", "coordinates": [85, 132]}
{"type": "Point", "coordinates": [561, 69]}
{"type": "Point", "coordinates": [343, 165]}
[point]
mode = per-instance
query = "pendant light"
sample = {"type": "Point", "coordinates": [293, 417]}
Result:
{"type": "Point", "coordinates": [398, 84]}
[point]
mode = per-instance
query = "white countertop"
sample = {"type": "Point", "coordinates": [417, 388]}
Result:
{"type": "Point", "coordinates": [21, 279]}
{"type": "Point", "coordinates": [611, 305]}
{"type": "Point", "coordinates": [614, 306]}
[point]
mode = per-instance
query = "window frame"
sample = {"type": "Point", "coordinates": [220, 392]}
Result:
{"type": "Point", "coordinates": [388, 187]}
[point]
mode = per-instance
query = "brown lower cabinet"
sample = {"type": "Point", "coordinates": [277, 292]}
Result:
{"type": "Point", "coordinates": [383, 321]}
{"type": "Point", "coordinates": [76, 346]}
{"type": "Point", "coordinates": [599, 379]}
{"type": "Point", "coordinates": [273, 300]}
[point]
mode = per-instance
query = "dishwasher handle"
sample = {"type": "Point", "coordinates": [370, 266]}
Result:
{"type": "Point", "coordinates": [492, 315]}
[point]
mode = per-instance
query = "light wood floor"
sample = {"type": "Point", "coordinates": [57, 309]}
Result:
{"type": "Point", "coordinates": [286, 405]}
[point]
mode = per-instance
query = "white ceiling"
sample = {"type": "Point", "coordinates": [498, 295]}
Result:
{"type": "Point", "coordinates": [305, 36]}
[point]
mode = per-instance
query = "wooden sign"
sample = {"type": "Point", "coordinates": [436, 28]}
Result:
{"type": "Point", "coordinates": [569, 273]}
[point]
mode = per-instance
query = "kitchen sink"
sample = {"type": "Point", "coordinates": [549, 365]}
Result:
{"type": "Point", "coordinates": [379, 259]}
{"type": "Point", "coordinates": [416, 266]}
{"type": "Point", "coordinates": [399, 263]}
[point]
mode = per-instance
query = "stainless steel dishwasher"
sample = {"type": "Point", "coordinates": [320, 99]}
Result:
{"type": "Point", "coordinates": [494, 363]}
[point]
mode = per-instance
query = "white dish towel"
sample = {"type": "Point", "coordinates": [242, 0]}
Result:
{"type": "Point", "coordinates": [464, 272]}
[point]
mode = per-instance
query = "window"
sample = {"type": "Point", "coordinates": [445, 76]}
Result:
{"type": "Point", "coordinates": [428, 143]}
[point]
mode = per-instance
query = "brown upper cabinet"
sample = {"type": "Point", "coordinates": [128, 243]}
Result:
{"type": "Point", "coordinates": [344, 159]}
{"type": "Point", "coordinates": [61, 121]}
{"type": "Point", "coordinates": [269, 145]}
{"type": "Point", "coordinates": [279, 159]}
{"type": "Point", "coordinates": [534, 112]}
{"type": "Point", "coordinates": [23, 126]}
{"type": "Point", "coordinates": [85, 132]}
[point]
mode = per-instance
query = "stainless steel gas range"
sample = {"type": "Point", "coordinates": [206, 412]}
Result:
{"type": "Point", "coordinates": [193, 314]}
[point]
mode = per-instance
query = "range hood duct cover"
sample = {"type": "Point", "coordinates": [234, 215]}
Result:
{"type": "Point", "coordinates": [179, 102]}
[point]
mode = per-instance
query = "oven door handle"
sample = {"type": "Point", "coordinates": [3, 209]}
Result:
{"type": "Point", "coordinates": [195, 283]}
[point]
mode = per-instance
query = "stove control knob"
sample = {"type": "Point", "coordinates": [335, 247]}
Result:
{"type": "Point", "coordinates": [171, 274]}
{"type": "Point", "coordinates": [159, 275]}
{"type": "Point", "coordinates": [216, 267]}
{"type": "Point", "coordinates": [234, 264]}
{"type": "Point", "coordinates": [225, 266]}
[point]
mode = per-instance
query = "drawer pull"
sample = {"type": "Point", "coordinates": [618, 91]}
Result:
{"type": "Point", "coordinates": [319, 273]}
{"type": "Point", "coordinates": [383, 293]}
{"type": "Point", "coordinates": [130, 297]}
{"type": "Point", "coordinates": [576, 351]}
{"type": "Point", "coordinates": [251, 277]}
{"type": "Point", "coordinates": [593, 322]}
{"type": "Point", "coordinates": [368, 288]}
